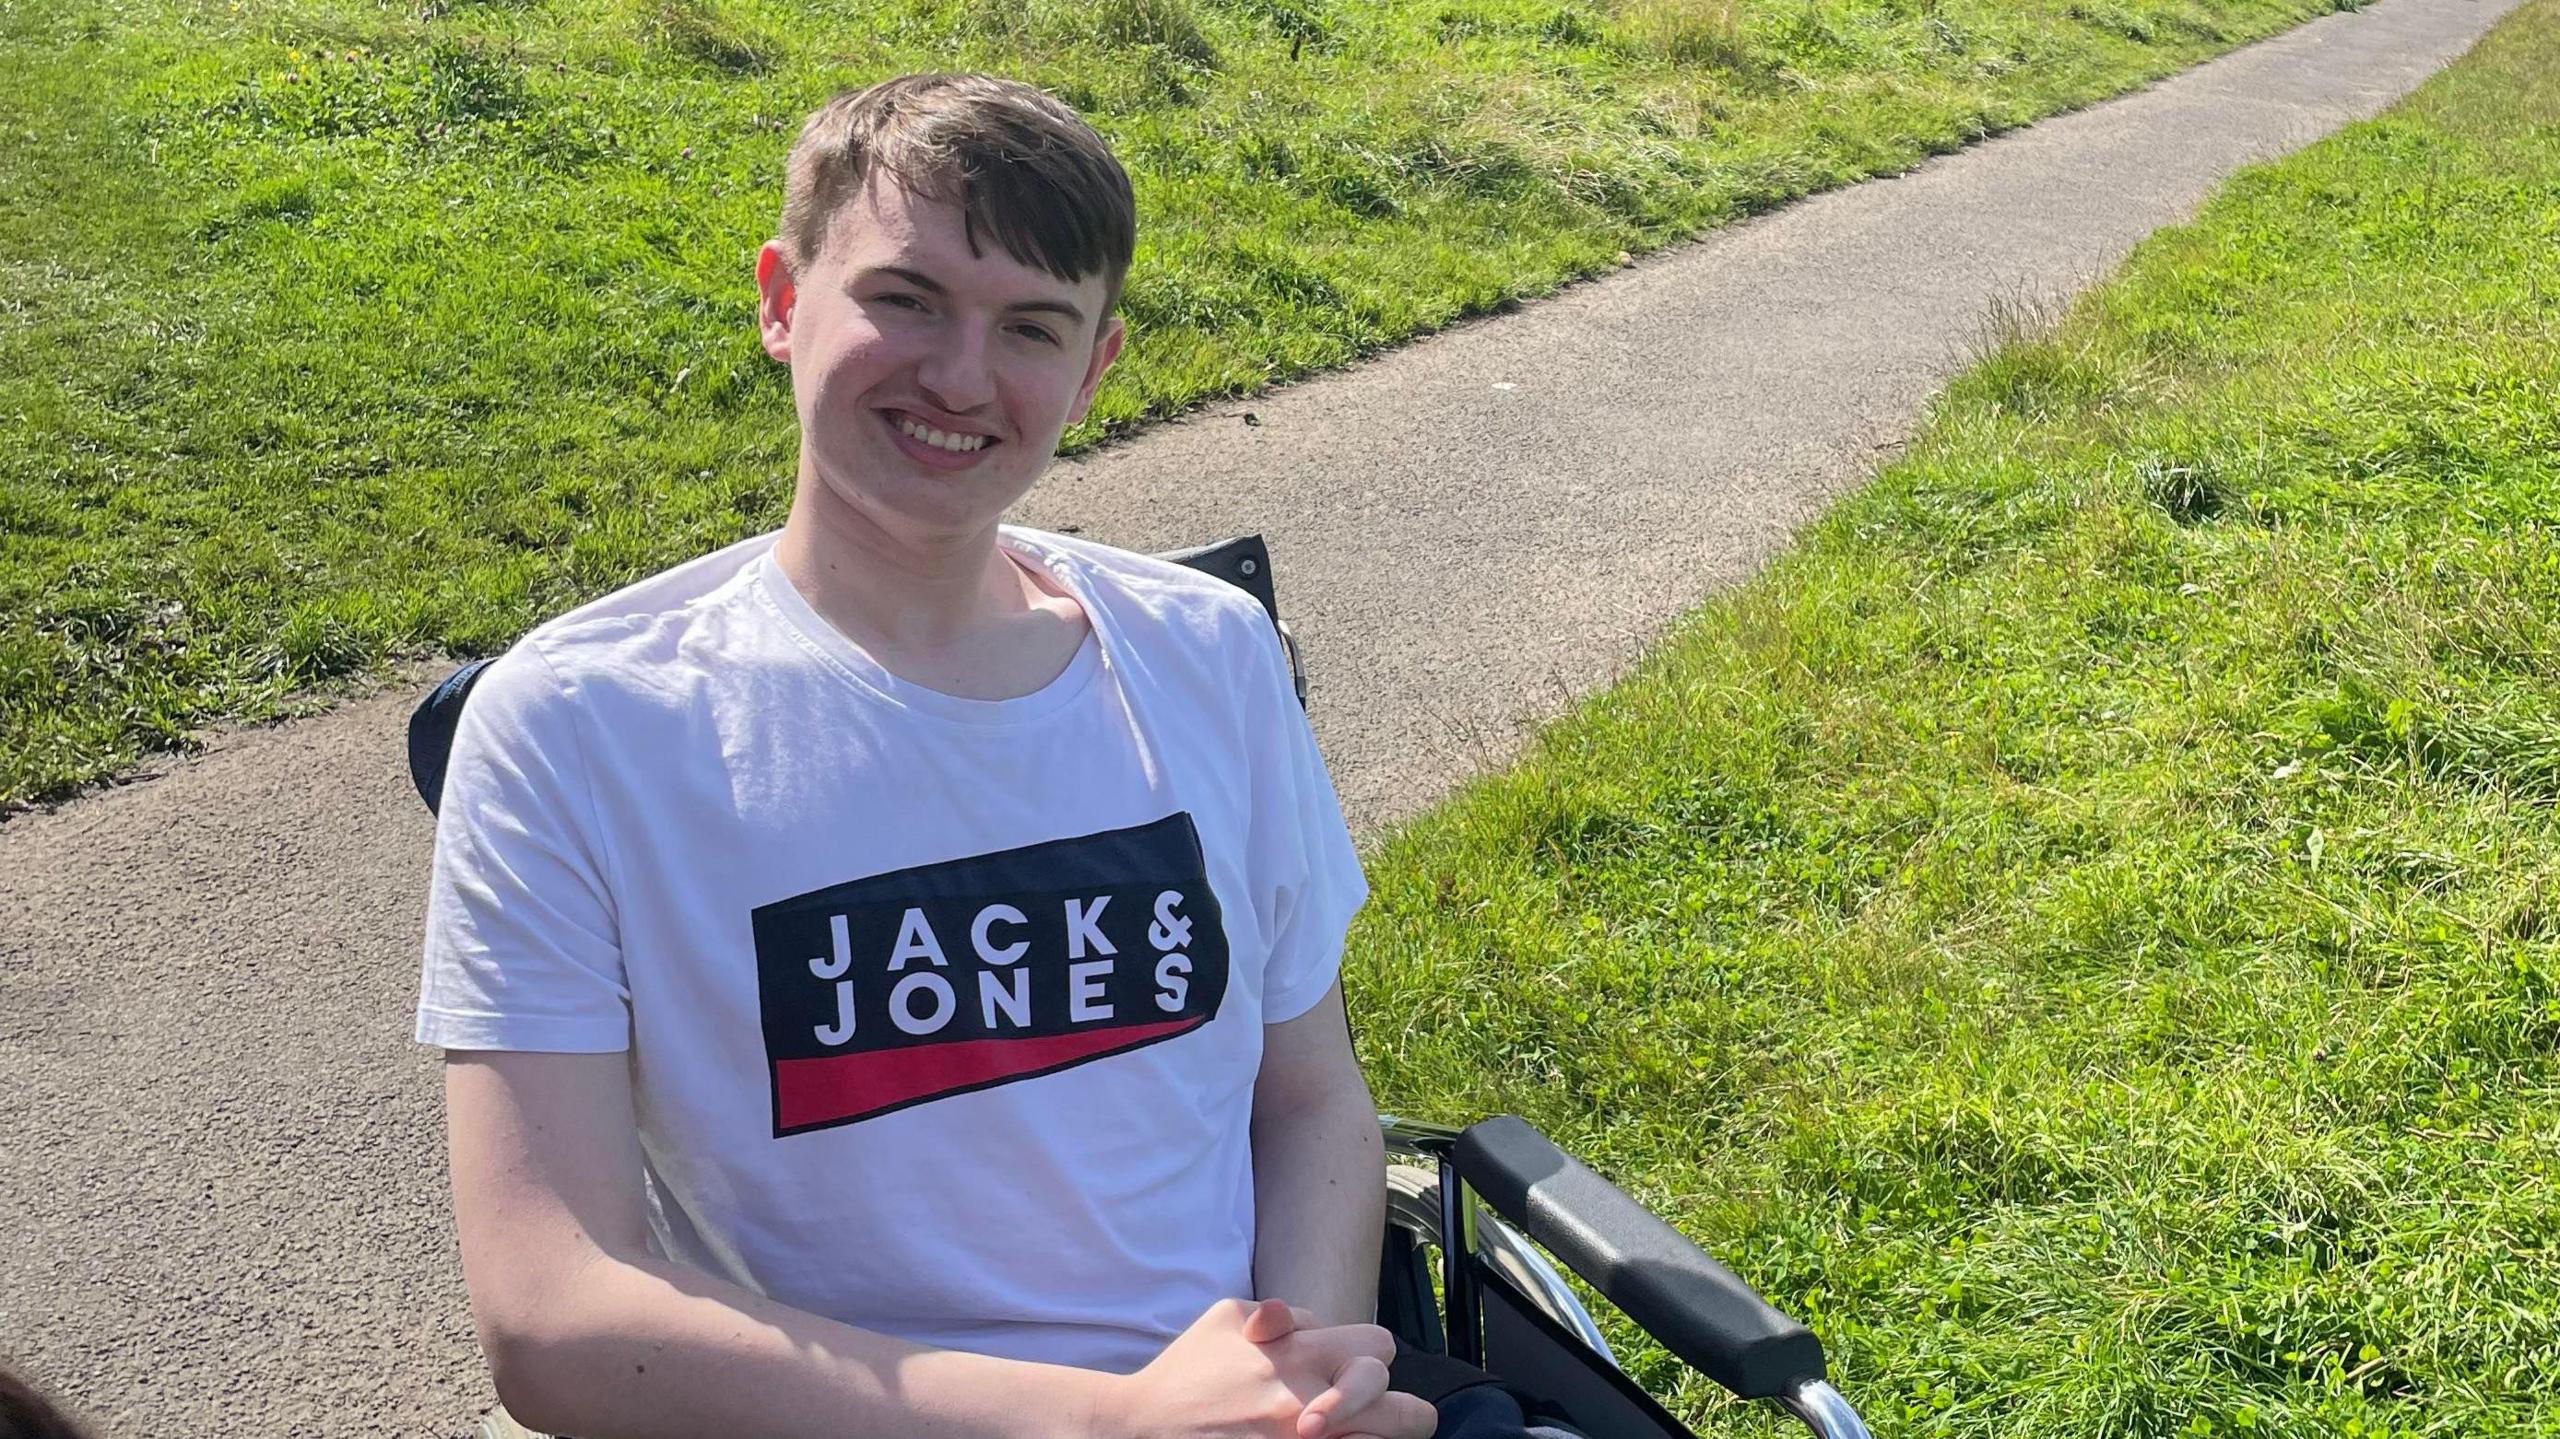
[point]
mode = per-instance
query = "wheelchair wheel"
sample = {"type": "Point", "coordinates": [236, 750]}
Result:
{"type": "Point", "coordinates": [1413, 1205]}
{"type": "Point", "coordinates": [1413, 1200]}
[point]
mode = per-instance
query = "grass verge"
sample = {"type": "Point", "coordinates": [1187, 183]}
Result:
{"type": "Point", "coordinates": [337, 329]}
{"type": "Point", "coordinates": [2084, 930]}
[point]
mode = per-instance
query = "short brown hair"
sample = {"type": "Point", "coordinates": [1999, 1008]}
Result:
{"type": "Point", "coordinates": [1018, 162]}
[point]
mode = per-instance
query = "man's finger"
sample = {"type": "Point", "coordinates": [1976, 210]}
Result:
{"type": "Point", "coordinates": [1270, 1320]}
{"type": "Point", "coordinates": [1393, 1416]}
{"type": "Point", "coordinates": [1358, 1385]}
{"type": "Point", "coordinates": [1339, 1344]}
{"type": "Point", "coordinates": [1274, 1319]}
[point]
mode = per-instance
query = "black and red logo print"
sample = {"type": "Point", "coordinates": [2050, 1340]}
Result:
{"type": "Point", "coordinates": [899, 989]}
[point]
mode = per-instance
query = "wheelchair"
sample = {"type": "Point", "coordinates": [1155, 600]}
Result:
{"type": "Point", "coordinates": [1480, 1209]}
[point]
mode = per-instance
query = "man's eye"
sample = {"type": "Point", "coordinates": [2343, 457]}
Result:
{"type": "Point", "coordinates": [903, 301]}
{"type": "Point", "coordinates": [1037, 333]}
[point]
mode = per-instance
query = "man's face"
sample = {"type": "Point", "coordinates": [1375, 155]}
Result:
{"type": "Point", "coordinates": [932, 383]}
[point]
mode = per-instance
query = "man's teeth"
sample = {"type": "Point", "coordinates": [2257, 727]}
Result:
{"type": "Point", "coordinates": [957, 444]}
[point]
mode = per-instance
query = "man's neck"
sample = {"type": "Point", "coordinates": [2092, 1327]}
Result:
{"type": "Point", "coordinates": [914, 595]}
{"type": "Point", "coordinates": [953, 614]}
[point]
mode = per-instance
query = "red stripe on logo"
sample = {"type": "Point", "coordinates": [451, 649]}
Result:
{"type": "Point", "coordinates": [852, 1086]}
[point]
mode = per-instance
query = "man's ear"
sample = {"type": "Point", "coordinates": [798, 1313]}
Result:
{"type": "Point", "coordinates": [1106, 348]}
{"type": "Point", "coordinates": [776, 295]}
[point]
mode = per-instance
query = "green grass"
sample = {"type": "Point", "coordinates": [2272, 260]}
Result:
{"type": "Point", "coordinates": [339, 330]}
{"type": "Point", "coordinates": [2083, 931]}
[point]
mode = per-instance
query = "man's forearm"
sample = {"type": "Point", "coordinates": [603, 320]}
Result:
{"type": "Point", "coordinates": [1319, 1188]}
{"type": "Point", "coordinates": [649, 1347]}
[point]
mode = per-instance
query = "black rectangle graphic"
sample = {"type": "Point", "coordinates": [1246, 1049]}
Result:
{"type": "Point", "coordinates": [897, 989]}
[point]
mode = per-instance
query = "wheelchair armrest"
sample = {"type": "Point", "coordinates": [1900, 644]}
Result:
{"type": "Point", "coordinates": [1670, 1287]}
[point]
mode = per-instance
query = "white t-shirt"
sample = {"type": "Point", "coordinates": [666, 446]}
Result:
{"type": "Point", "coordinates": [943, 1014]}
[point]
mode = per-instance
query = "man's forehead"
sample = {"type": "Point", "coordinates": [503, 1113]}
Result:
{"type": "Point", "coordinates": [889, 226]}
{"type": "Point", "coordinates": [887, 218]}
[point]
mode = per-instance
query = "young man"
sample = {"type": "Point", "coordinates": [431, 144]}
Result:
{"type": "Point", "coordinates": [887, 968]}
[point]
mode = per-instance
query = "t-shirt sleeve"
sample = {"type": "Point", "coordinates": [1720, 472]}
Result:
{"type": "Point", "coordinates": [1316, 885]}
{"type": "Point", "coordinates": [523, 950]}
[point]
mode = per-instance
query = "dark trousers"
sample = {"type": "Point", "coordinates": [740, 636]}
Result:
{"type": "Point", "coordinates": [1473, 1404]}
{"type": "Point", "coordinates": [1490, 1411]}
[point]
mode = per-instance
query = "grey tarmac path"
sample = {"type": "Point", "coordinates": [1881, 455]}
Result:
{"type": "Point", "coordinates": [221, 1170]}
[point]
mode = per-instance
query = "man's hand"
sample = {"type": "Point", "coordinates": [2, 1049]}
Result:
{"type": "Point", "coordinates": [1248, 1371]}
{"type": "Point", "coordinates": [1359, 1405]}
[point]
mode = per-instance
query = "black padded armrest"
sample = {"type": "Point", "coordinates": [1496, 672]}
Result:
{"type": "Point", "coordinates": [1689, 1303]}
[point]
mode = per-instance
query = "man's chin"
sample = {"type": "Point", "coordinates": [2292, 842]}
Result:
{"type": "Point", "coordinates": [918, 510]}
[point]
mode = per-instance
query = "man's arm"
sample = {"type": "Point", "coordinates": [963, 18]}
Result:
{"type": "Point", "coordinates": [1319, 1170]}
{"type": "Point", "coordinates": [587, 1332]}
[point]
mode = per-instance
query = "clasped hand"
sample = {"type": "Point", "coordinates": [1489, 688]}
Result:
{"type": "Point", "coordinates": [1269, 1371]}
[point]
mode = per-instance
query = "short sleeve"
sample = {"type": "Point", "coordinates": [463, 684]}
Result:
{"type": "Point", "coordinates": [1313, 871]}
{"type": "Point", "coordinates": [522, 950]}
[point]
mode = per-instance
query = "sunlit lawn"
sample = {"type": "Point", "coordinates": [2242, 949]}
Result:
{"type": "Point", "coordinates": [2084, 931]}
{"type": "Point", "coordinates": [339, 330]}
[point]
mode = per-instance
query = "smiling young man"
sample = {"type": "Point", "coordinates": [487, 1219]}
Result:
{"type": "Point", "coordinates": [887, 968]}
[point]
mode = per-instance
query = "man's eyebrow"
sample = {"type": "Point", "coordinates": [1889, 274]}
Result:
{"type": "Point", "coordinates": [930, 285]}
{"type": "Point", "coordinates": [917, 278]}
{"type": "Point", "coordinates": [1053, 307]}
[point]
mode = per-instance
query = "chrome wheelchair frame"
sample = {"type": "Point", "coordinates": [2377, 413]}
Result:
{"type": "Point", "coordinates": [1503, 1306]}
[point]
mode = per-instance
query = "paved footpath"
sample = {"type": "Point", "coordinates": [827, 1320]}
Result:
{"type": "Point", "coordinates": [220, 1159]}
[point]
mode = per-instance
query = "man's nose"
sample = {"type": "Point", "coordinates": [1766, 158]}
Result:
{"type": "Point", "coordinates": [957, 374]}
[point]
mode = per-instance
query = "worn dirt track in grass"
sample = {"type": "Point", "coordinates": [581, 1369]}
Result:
{"type": "Point", "coordinates": [222, 1164]}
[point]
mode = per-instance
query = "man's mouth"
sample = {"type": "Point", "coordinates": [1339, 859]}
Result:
{"type": "Point", "coordinates": [925, 434]}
